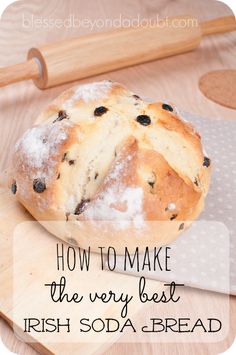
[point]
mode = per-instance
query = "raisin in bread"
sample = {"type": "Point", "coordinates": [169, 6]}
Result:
{"type": "Point", "coordinates": [105, 168]}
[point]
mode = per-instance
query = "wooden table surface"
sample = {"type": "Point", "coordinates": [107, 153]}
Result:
{"type": "Point", "coordinates": [174, 78]}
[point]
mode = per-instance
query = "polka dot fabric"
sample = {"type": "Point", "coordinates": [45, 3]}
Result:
{"type": "Point", "coordinates": [199, 258]}
{"type": "Point", "coordinates": [219, 141]}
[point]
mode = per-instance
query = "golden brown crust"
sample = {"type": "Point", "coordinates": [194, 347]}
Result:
{"type": "Point", "coordinates": [93, 158]}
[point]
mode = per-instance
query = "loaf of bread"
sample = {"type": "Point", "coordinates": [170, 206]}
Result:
{"type": "Point", "coordinates": [103, 167]}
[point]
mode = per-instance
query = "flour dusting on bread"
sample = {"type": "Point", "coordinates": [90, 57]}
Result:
{"type": "Point", "coordinates": [120, 205]}
{"type": "Point", "coordinates": [89, 92]}
{"type": "Point", "coordinates": [40, 144]}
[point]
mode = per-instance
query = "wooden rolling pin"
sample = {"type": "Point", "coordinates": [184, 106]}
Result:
{"type": "Point", "coordinates": [77, 58]}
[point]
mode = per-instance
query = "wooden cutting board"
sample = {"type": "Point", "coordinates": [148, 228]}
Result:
{"type": "Point", "coordinates": [27, 264]}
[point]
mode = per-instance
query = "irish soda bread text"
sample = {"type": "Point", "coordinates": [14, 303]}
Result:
{"type": "Point", "coordinates": [105, 168]}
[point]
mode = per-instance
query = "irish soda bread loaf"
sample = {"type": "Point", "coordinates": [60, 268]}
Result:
{"type": "Point", "coordinates": [105, 168]}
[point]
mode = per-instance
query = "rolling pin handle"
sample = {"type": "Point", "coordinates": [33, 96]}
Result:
{"type": "Point", "coordinates": [218, 25]}
{"type": "Point", "coordinates": [22, 71]}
